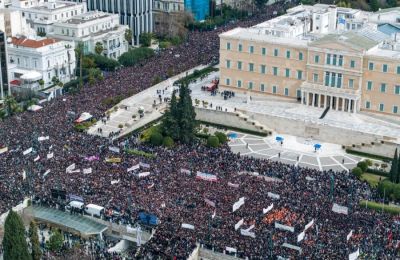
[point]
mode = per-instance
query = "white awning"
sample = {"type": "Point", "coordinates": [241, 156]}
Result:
{"type": "Point", "coordinates": [31, 76]}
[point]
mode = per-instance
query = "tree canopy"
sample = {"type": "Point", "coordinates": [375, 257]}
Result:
{"type": "Point", "coordinates": [133, 56]}
{"type": "Point", "coordinates": [14, 242]}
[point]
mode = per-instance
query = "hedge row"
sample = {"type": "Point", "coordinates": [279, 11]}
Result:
{"type": "Point", "coordinates": [369, 155]}
{"type": "Point", "coordinates": [245, 131]}
{"type": "Point", "coordinates": [140, 153]}
{"type": "Point", "coordinates": [377, 172]}
{"type": "Point", "coordinates": [378, 207]}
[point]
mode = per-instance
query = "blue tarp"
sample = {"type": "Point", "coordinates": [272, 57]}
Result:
{"type": "Point", "coordinates": [232, 135]}
{"type": "Point", "coordinates": [317, 146]}
{"type": "Point", "coordinates": [279, 138]}
{"type": "Point", "coordinates": [148, 219]}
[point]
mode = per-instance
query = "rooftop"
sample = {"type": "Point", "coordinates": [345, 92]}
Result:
{"type": "Point", "coordinates": [87, 17]}
{"type": "Point", "coordinates": [30, 43]}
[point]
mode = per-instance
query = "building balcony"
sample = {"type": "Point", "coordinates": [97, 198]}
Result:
{"type": "Point", "coordinates": [334, 91]}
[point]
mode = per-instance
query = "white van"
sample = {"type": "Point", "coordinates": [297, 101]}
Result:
{"type": "Point", "coordinates": [76, 205]}
{"type": "Point", "coordinates": [94, 210]}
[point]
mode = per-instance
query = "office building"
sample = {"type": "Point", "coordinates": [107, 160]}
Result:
{"type": "Point", "coordinates": [200, 9]}
{"type": "Point", "coordinates": [4, 84]}
{"type": "Point", "coordinates": [321, 55]}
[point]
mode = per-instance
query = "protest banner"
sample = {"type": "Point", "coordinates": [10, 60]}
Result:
{"type": "Point", "coordinates": [270, 207]}
{"type": "Point", "coordinates": [239, 224]}
{"type": "Point", "coordinates": [273, 195]}
{"type": "Point", "coordinates": [187, 226]}
{"type": "Point", "coordinates": [340, 209]}
{"type": "Point", "coordinates": [206, 176]}
{"type": "Point", "coordinates": [238, 204]}
{"type": "Point", "coordinates": [284, 227]}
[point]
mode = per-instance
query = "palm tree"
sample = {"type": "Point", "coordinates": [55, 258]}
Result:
{"type": "Point", "coordinates": [11, 106]}
{"type": "Point", "coordinates": [98, 48]}
{"type": "Point", "coordinates": [79, 53]}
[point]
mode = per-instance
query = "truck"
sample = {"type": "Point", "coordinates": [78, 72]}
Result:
{"type": "Point", "coordinates": [75, 205]}
{"type": "Point", "coordinates": [94, 210]}
{"type": "Point", "coordinates": [213, 85]}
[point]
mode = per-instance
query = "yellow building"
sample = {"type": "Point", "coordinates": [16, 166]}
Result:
{"type": "Point", "coordinates": [320, 55]}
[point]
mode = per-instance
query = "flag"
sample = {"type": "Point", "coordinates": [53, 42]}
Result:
{"type": "Point", "coordinates": [45, 174]}
{"type": "Point", "coordinates": [206, 176]}
{"type": "Point", "coordinates": [150, 186]}
{"type": "Point", "coordinates": [268, 209]}
{"type": "Point", "coordinates": [144, 165]}
{"type": "Point", "coordinates": [3, 150]}
{"type": "Point", "coordinates": [187, 226]}
{"type": "Point", "coordinates": [24, 175]}
{"type": "Point", "coordinates": [37, 158]}
{"type": "Point", "coordinates": [239, 224]}
{"type": "Point", "coordinates": [143, 174]}
{"type": "Point", "coordinates": [214, 214]}
{"type": "Point", "coordinates": [114, 182]}
{"type": "Point", "coordinates": [238, 204]}
{"type": "Point", "coordinates": [134, 167]}
{"type": "Point", "coordinates": [27, 151]}
{"type": "Point", "coordinates": [230, 184]}
{"type": "Point", "coordinates": [209, 202]}
{"type": "Point", "coordinates": [185, 171]}
{"type": "Point", "coordinates": [70, 168]}
{"type": "Point", "coordinates": [50, 155]}
{"type": "Point", "coordinates": [43, 138]}
{"type": "Point", "coordinates": [87, 171]}
{"type": "Point", "coordinates": [244, 232]}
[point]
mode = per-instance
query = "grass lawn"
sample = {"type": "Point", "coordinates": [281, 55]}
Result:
{"type": "Point", "coordinates": [378, 207]}
{"type": "Point", "coordinates": [372, 179]}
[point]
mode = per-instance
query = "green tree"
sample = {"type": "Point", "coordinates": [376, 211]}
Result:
{"type": "Point", "coordinates": [133, 56]}
{"type": "Point", "coordinates": [79, 53]}
{"type": "Point", "coordinates": [213, 141]}
{"type": "Point", "coordinates": [11, 106]}
{"type": "Point", "coordinates": [128, 36]}
{"type": "Point", "coordinates": [187, 116]}
{"type": "Point", "coordinates": [56, 241]}
{"type": "Point", "coordinates": [41, 83]}
{"type": "Point", "coordinates": [34, 238]}
{"type": "Point", "coordinates": [14, 241]}
{"type": "Point", "coordinates": [98, 48]}
{"type": "Point", "coordinates": [168, 142]}
{"type": "Point", "coordinates": [170, 124]}
{"type": "Point", "coordinates": [357, 172]}
{"type": "Point", "coordinates": [104, 63]}
{"type": "Point", "coordinates": [221, 137]}
{"type": "Point", "coordinates": [394, 171]}
{"type": "Point", "coordinates": [374, 4]}
{"type": "Point", "coordinates": [145, 39]}
{"type": "Point", "coordinates": [156, 138]}
{"type": "Point", "coordinates": [362, 165]}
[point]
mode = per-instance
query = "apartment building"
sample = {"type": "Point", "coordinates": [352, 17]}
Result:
{"type": "Point", "coordinates": [91, 28]}
{"type": "Point", "coordinates": [320, 55]}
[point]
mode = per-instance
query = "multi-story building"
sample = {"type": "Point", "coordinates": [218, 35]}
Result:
{"type": "Point", "coordinates": [169, 17]}
{"type": "Point", "coordinates": [42, 14]}
{"type": "Point", "coordinates": [200, 9]}
{"type": "Point", "coordinates": [320, 55]}
{"type": "Point", "coordinates": [32, 60]}
{"type": "Point", "coordinates": [137, 14]}
{"type": "Point", "coordinates": [92, 28]}
{"type": "Point", "coordinates": [13, 24]}
{"type": "Point", "coordinates": [4, 83]}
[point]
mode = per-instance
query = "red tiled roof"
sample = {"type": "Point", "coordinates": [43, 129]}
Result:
{"type": "Point", "coordinates": [24, 42]}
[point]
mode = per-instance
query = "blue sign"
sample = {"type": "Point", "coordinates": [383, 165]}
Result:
{"type": "Point", "coordinates": [148, 219]}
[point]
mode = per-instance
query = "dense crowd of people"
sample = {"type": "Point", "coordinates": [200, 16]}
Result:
{"type": "Point", "coordinates": [177, 197]}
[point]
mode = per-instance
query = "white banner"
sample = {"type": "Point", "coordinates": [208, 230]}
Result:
{"type": "Point", "coordinates": [354, 256]}
{"type": "Point", "coordinates": [230, 249]}
{"type": "Point", "coordinates": [134, 167]}
{"type": "Point", "coordinates": [143, 174]}
{"type": "Point", "coordinates": [114, 149]}
{"type": "Point", "coordinates": [43, 138]}
{"type": "Point", "coordinates": [340, 209]}
{"type": "Point", "coordinates": [238, 204]}
{"type": "Point", "coordinates": [37, 158]}
{"type": "Point", "coordinates": [250, 228]}
{"type": "Point", "coordinates": [188, 226]}
{"type": "Point", "coordinates": [292, 247]}
{"type": "Point", "coordinates": [308, 178]}
{"type": "Point", "coordinates": [50, 155]}
{"type": "Point", "coordinates": [144, 165]}
{"type": "Point", "coordinates": [209, 202]}
{"type": "Point", "coordinates": [70, 168]}
{"type": "Point", "coordinates": [284, 227]}
{"type": "Point", "coordinates": [45, 174]}
{"type": "Point", "coordinates": [300, 237]}
{"type": "Point", "coordinates": [246, 233]}
{"type": "Point", "coordinates": [234, 185]}
{"type": "Point", "coordinates": [349, 235]}
{"type": "Point", "coordinates": [270, 207]}
{"type": "Point", "coordinates": [186, 171]}
{"type": "Point", "coordinates": [27, 151]}
{"type": "Point", "coordinates": [87, 171]}
{"type": "Point", "coordinates": [3, 150]}
{"type": "Point", "coordinates": [309, 225]}
{"type": "Point", "coordinates": [130, 229]}
{"type": "Point", "coordinates": [240, 223]}
{"type": "Point", "coordinates": [24, 175]}
{"type": "Point", "coordinates": [114, 182]}
{"type": "Point", "coordinates": [206, 176]}
{"type": "Point", "coordinates": [273, 195]}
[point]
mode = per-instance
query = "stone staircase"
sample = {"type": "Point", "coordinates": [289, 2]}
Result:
{"type": "Point", "coordinates": [262, 128]}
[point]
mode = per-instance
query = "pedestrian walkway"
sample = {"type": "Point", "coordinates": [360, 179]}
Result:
{"type": "Point", "coordinates": [294, 150]}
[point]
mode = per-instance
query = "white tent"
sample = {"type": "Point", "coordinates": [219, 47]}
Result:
{"type": "Point", "coordinates": [34, 108]}
{"type": "Point", "coordinates": [84, 117]}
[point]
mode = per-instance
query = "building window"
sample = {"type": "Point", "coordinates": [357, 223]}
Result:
{"type": "Point", "coordinates": [251, 67]}
{"type": "Point", "coordinates": [286, 92]}
{"type": "Point", "coordinates": [340, 60]}
{"type": "Point", "coordinates": [333, 79]}
{"type": "Point", "coordinates": [228, 46]}
{"type": "Point", "coordinates": [263, 69]}
{"type": "Point", "coordinates": [276, 52]}
{"type": "Point", "coordinates": [384, 68]}
{"type": "Point", "coordinates": [264, 51]}
{"type": "Point", "coordinates": [250, 85]}
{"type": "Point", "coordinates": [239, 65]}
{"type": "Point", "coordinates": [328, 59]}
{"type": "Point", "coordinates": [352, 64]}
{"type": "Point", "coordinates": [288, 54]}
{"type": "Point", "coordinates": [369, 85]}
{"type": "Point", "coordinates": [300, 56]}
{"type": "Point", "coordinates": [383, 87]}
{"type": "Point", "coordinates": [287, 73]}
{"type": "Point", "coordinates": [228, 64]}
{"type": "Point", "coordinates": [315, 77]}
{"type": "Point", "coordinates": [381, 107]}
{"type": "Point", "coordinates": [316, 58]}
{"type": "Point", "coordinates": [240, 47]}
{"type": "Point", "coordinates": [398, 69]}
{"type": "Point", "coordinates": [334, 59]}
{"type": "Point", "coordinates": [397, 90]}
{"type": "Point", "coordinates": [228, 81]}
{"type": "Point", "coordinates": [299, 74]}
{"type": "Point", "coordinates": [262, 87]}
{"type": "Point", "coordinates": [251, 49]}
{"type": "Point", "coordinates": [239, 83]}
{"type": "Point", "coordinates": [298, 93]}
{"type": "Point", "coordinates": [371, 66]}
{"type": "Point", "coordinates": [395, 109]}
{"type": "Point", "coordinates": [274, 89]}
{"type": "Point", "coordinates": [327, 79]}
{"type": "Point", "coordinates": [275, 71]}
{"type": "Point", "coordinates": [339, 80]}
{"type": "Point", "coordinates": [367, 105]}
{"type": "Point", "coordinates": [351, 83]}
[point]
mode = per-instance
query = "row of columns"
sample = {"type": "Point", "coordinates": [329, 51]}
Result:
{"type": "Point", "coordinates": [335, 102]}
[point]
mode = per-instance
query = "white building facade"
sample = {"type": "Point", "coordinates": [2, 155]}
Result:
{"type": "Point", "coordinates": [41, 14]}
{"type": "Point", "coordinates": [32, 60]}
{"type": "Point", "coordinates": [13, 24]}
{"type": "Point", "coordinates": [92, 28]}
